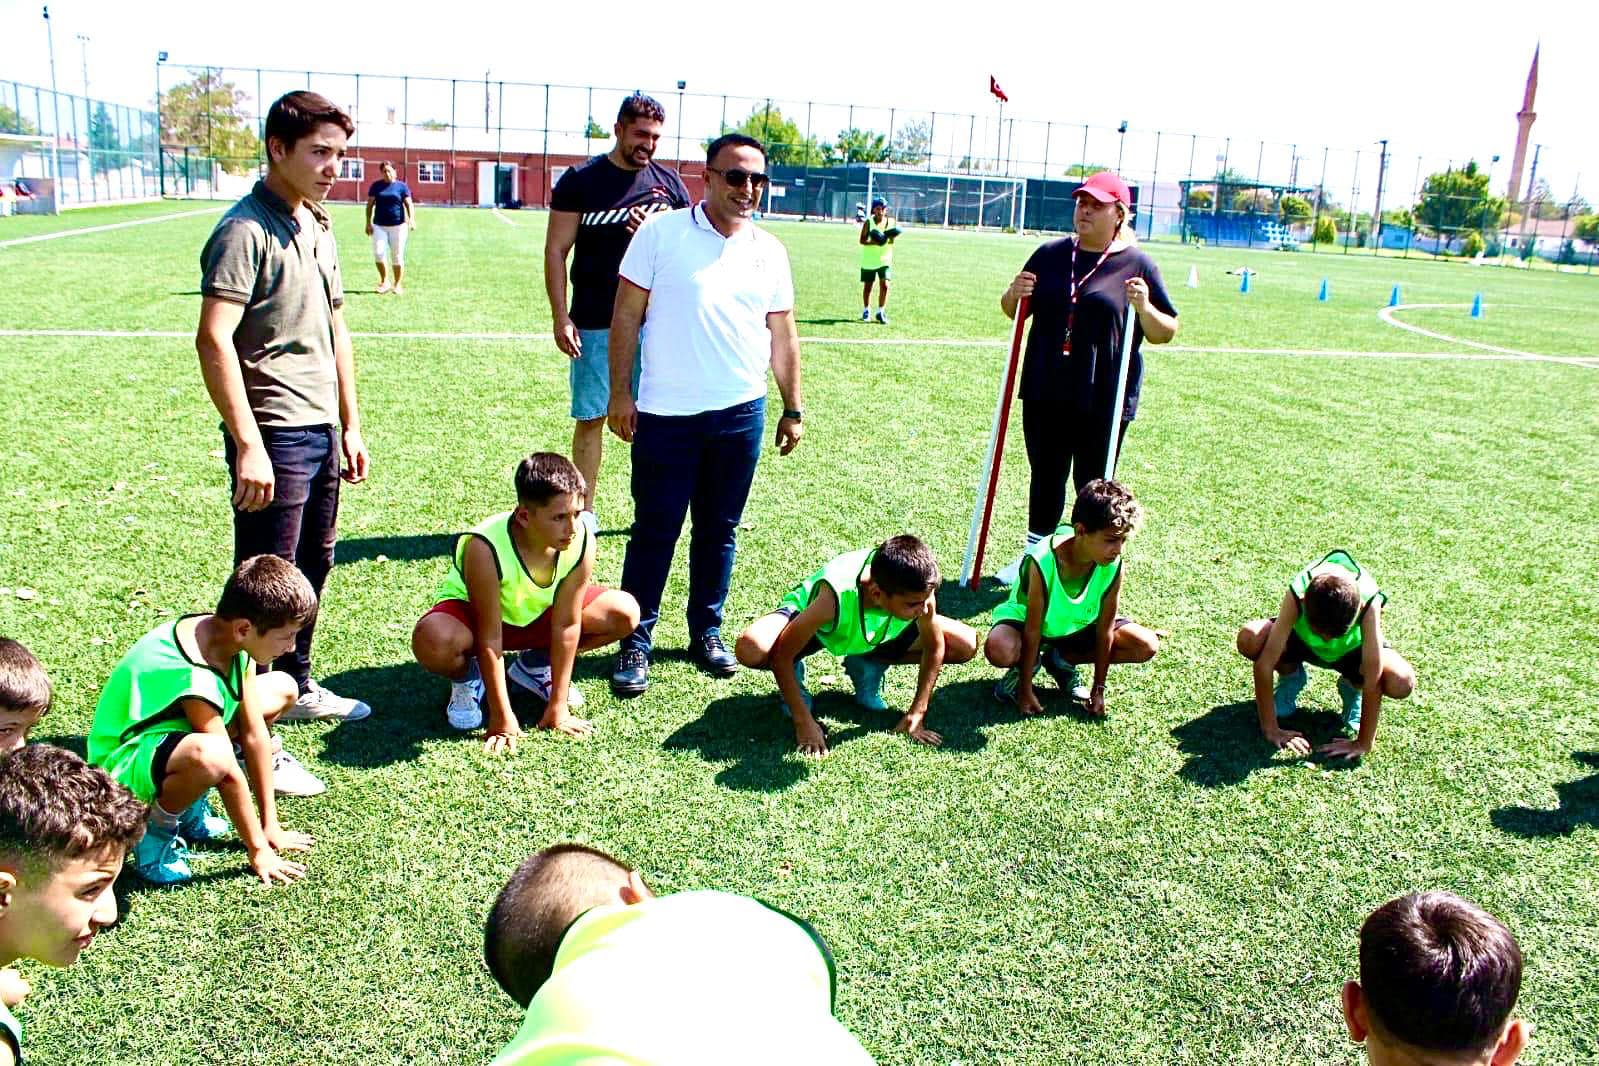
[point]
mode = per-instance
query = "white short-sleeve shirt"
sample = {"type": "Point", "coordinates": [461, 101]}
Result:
{"type": "Point", "coordinates": [705, 345]}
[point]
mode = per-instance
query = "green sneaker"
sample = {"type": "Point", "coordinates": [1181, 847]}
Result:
{"type": "Point", "coordinates": [1066, 676]}
{"type": "Point", "coordinates": [1005, 688]}
{"type": "Point", "coordinates": [162, 857]}
{"type": "Point", "coordinates": [867, 676]}
{"type": "Point", "coordinates": [199, 825]}
{"type": "Point", "coordinates": [1351, 697]}
{"type": "Point", "coordinates": [1286, 698]}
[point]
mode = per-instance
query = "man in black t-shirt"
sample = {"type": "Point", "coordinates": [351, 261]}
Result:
{"type": "Point", "coordinates": [596, 207]}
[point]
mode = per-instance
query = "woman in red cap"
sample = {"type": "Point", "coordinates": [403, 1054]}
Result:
{"type": "Point", "coordinates": [1080, 288]}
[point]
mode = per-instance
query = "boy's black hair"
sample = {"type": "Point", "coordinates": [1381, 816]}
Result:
{"type": "Point", "coordinates": [903, 564]}
{"type": "Point", "coordinates": [268, 592]}
{"type": "Point", "coordinates": [1106, 505]}
{"type": "Point", "coordinates": [544, 475]}
{"type": "Point", "coordinates": [1439, 973]}
{"type": "Point", "coordinates": [24, 687]}
{"type": "Point", "coordinates": [732, 140]}
{"type": "Point", "coordinates": [1331, 603]}
{"type": "Point", "coordinates": [298, 114]}
{"type": "Point", "coordinates": [55, 807]}
{"type": "Point", "coordinates": [531, 914]}
{"type": "Point", "coordinates": [640, 106]}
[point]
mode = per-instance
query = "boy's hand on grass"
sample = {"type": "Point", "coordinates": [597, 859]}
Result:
{"type": "Point", "coordinates": [809, 737]}
{"type": "Point", "coordinates": [502, 740]}
{"type": "Point", "coordinates": [1095, 707]}
{"type": "Point", "coordinates": [911, 726]}
{"type": "Point", "coordinates": [1290, 741]}
{"type": "Point", "coordinates": [559, 720]}
{"type": "Point", "coordinates": [1027, 701]}
{"type": "Point", "coordinates": [1343, 748]}
{"type": "Point", "coordinates": [13, 988]}
{"type": "Point", "coordinates": [282, 839]}
{"type": "Point", "coordinates": [274, 869]}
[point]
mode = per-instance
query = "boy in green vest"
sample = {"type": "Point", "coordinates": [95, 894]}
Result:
{"type": "Point", "coordinates": [1331, 617]}
{"type": "Point", "coordinates": [877, 258]}
{"type": "Point", "coordinates": [1061, 613]}
{"type": "Point", "coordinates": [607, 971]}
{"type": "Point", "coordinates": [187, 703]}
{"type": "Point", "coordinates": [24, 694]}
{"type": "Point", "coordinates": [65, 828]}
{"type": "Point", "coordinates": [872, 607]}
{"type": "Point", "coordinates": [520, 581]}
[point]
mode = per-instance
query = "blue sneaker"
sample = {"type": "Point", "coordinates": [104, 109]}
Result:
{"type": "Point", "coordinates": [1005, 688]}
{"type": "Point", "coordinates": [465, 709]}
{"type": "Point", "coordinates": [866, 675]}
{"type": "Point", "coordinates": [199, 825]}
{"type": "Point", "coordinates": [1286, 698]}
{"type": "Point", "coordinates": [805, 693]}
{"type": "Point", "coordinates": [1351, 697]}
{"type": "Point", "coordinates": [162, 857]}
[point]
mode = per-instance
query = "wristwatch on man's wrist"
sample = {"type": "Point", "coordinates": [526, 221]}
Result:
{"type": "Point", "coordinates": [796, 413]}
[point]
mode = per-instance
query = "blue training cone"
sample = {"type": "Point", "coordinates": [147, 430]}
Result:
{"type": "Point", "coordinates": [1393, 297]}
{"type": "Point", "coordinates": [1243, 286]}
{"type": "Point", "coordinates": [1322, 294]}
{"type": "Point", "coordinates": [1476, 306]}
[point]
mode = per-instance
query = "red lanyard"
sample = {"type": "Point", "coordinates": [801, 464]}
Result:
{"type": "Point", "coordinates": [1071, 313]}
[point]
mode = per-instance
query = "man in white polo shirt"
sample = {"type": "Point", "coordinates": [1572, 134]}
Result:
{"type": "Point", "coordinates": [721, 310]}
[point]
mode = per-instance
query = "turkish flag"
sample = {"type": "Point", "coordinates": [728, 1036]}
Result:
{"type": "Point", "coordinates": [993, 87]}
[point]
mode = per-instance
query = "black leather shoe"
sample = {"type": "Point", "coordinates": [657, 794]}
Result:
{"type": "Point", "coordinates": [632, 674]}
{"type": "Point", "coordinates": [712, 656]}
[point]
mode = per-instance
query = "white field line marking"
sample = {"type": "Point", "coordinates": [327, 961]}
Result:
{"type": "Point", "coordinates": [1589, 362]}
{"type": "Point", "coordinates": [1387, 315]}
{"type": "Point", "coordinates": [111, 226]}
{"type": "Point", "coordinates": [501, 216]}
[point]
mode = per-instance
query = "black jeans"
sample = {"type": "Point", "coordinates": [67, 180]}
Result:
{"type": "Point", "coordinates": [300, 524]}
{"type": "Point", "coordinates": [700, 465]}
{"type": "Point", "coordinates": [1059, 440]}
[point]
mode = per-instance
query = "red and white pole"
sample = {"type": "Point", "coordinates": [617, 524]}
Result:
{"type": "Point", "coordinates": [988, 477]}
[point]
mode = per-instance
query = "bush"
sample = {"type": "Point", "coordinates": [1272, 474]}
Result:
{"type": "Point", "coordinates": [1326, 231]}
{"type": "Point", "coordinates": [1203, 199]}
{"type": "Point", "coordinates": [1473, 245]}
{"type": "Point", "coordinates": [1294, 207]}
{"type": "Point", "coordinates": [1360, 238]}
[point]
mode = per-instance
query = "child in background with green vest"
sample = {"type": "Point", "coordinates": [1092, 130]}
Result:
{"type": "Point", "coordinates": [1061, 613]}
{"type": "Point", "coordinates": [519, 582]}
{"type": "Point", "coordinates": [877, 258]}
{"type": "Point", "coordinates": [609, 972]}
{"type": "Point", "coordinates": [873, 607]}
{"type": "Point", "coordinates": [1331, 617]}
{"type": "Point", "coordinates": [186, 703]}
{"type": "Point", "coordinates": [65, 829]}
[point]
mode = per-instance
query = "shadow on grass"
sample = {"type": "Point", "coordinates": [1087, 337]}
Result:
{"type": "Point", "coordinates": [407, 708]}
{"type": "Point", "coordinates": [1579, 806]}
{"type": "Point", "coordinates": [409, 547]}
{"type": "Point", "coordinates": [1224, 745]}
{"type": "Point", "coordinates": [957, 601]}
{"type": "Point", "coordinates": [825, 322]}
{"type": "Point", "coordinates": [757, 738]}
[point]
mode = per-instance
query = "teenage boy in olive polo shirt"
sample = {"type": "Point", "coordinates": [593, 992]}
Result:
{"type": "Point", "coordinates": [276, 357]}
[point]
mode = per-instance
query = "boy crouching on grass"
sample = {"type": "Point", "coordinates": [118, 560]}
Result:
{"type": "Point", "coordinates": [187, 703]}
{"type": "Point", "coordinates": [872, 607]}
{"type": "Point", "coordinates": [24, 694]}
{"type": "Point", "coordinates": [1330, 617]}
{"type": "Point", "coordinates": [520, 582]}
{"type": "Point", "coordinates": [1061, 613]}
{"type": "Point", "coordinates": [1439, 977]}
{"type": "Point", "coordinates": [65, 828]}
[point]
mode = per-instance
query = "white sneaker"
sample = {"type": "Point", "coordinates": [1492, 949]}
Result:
{"type": "Point", "coordinates": [290, 778]}
{"type": "Point", "coordinates": [465, 709]}
{"type": "Point", "coordinates": [317, 704]}
{"type": "Point", "coordinates": [866, 314]}
{"type": "Point", "coordinates": [1012, 573]}
{"type": "Point", "coordinates": [536, 679]}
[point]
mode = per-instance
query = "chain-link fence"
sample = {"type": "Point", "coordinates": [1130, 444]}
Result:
{"type": "Point", "coordinates": [79, 150]}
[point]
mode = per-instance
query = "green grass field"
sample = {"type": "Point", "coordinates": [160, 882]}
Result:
{"type": "Point", "coordinates": [1159, 887]}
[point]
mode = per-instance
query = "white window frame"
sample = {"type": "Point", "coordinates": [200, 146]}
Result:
{"type": "Point", "coordinates": [421, 175]}
{"type": "Point", "coordinates": [352, 169]}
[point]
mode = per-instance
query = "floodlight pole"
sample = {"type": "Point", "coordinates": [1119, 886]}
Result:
{"type": "Point", "coordinates": [681, 85]}
{"type": "Point", "coordinates": [83, 54]}
{"type": "Point", "coordinates": [160, 150]}
{"type": "Point", "coordinates": [55, 107]}
{"type": "Point", "coordinates": [1376, 223]}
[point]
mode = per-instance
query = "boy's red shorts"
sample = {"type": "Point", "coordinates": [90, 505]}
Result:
{"type": "Point", "coordinates": [512, 638]}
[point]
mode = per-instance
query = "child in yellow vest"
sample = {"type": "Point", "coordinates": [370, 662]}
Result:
{"type": "Point", "coordinates": [1061, 613]}
{"type": "Point", "coordinates": [1330, 617]}
{"type": "Point", "coordinates": [878, 233]}
{"type": "Point", "coordinates": [519, 581]}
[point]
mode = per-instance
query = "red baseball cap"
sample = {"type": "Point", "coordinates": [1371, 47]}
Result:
{"type": "Point", "coordinates": [1106, 188]}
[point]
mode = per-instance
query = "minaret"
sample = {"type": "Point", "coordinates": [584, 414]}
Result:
{"type": "Point", "coordinates": [1524, 119]}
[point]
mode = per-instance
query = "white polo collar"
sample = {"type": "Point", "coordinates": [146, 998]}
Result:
{"type": "Point", "coordinates": [702, 220]}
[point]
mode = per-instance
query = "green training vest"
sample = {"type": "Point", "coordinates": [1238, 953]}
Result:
{"type": "Point", "coordinates": [1064, 614]}
{"type": "Point", "coordinates": [857, 628]}
{"type": "Point", "coordinates": [522, 599]}
{"type": "Point", "coordinates": [693, 977]}
{"type": "Point", "coordinates": [878, 255]}
{"type": "Point", "coordinates": [142, 696]}
{"type": "Point", "coordinates": [1336, 561]}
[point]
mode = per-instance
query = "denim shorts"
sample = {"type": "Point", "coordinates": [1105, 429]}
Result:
{"type": "Point", "coordinates": [590, 375]}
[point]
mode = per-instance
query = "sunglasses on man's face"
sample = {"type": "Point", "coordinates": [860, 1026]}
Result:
{"type": "Point", "coordinates": [738, 177]}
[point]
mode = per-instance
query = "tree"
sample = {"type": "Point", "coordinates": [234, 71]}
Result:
{"type": "Point", "coordinates": [1473, 245]}
{"type": "Point", "coordinates": [1259, 201]}
{"type": "Point", "coordinates": [212, 115]}
{"type": "Point", "coordinates": [1084, 170]}
{"type": "Point", "coordinates": [104, 147]}
{"type": "Point", "coordinates": [785, 145]}
{"type": "Point", "coordinates": [1458, 199]}
{"type": "Point", "coordinates": [913, 143]}
{"type": "Point", "coordinates": [1202, 197]}
{"type": "Point", "coordinates": [1586, 228]}
{"type": "Point", "coordinates": [594, 131]}
{"type": "Point", "coordinates": [12, 122]}
{"type": "Point", "coordinates": [1294, 207]}
{"type": "Point", "coordinates": [1325, 232]}
{"type": "Point", "coordinates": [857, 146]}
{"type": "Point", "coordinates": [437, 125]}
